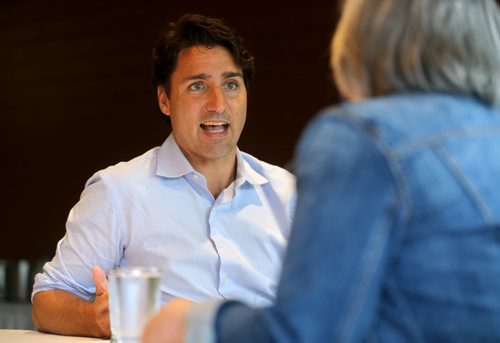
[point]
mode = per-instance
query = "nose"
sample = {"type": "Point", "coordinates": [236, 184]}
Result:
{"type": "Point", "coordinates": [215, 101]}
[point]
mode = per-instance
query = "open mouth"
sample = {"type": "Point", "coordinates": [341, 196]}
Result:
{"type": "Point", "coordinates": [214, 126]}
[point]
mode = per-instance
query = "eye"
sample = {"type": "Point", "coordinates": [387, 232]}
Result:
{"type": "Point", "coordinates": [231, 85]}
{"type": "Point", "coordinates": [197, 86]}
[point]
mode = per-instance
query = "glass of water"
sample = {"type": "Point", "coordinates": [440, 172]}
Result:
{"type": "Point", "coordinates": [134, 295]}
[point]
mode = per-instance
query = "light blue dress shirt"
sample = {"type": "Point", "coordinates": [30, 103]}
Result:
{"type": "Point", "coordinates": [156, 210]}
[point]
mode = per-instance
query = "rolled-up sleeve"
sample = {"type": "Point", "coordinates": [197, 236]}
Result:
{"type": "Point", "coordinates": [92, 238]}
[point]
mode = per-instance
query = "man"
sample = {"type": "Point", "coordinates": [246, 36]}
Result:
{"type": "Point", "coordinates": [396, 236]}
{"type": "Point", "coordinates": [216, 220]}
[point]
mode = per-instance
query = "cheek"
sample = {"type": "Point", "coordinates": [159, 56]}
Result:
{"type": "Point", "coordinates": [242, 116]}
{"type": "Point", "coordinates": [239, 106]}
{"type": "Point", "coordinates": [185, 114]}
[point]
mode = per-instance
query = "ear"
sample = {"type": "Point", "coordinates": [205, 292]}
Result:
{"type": "Point", "coordinates": [163, 101]}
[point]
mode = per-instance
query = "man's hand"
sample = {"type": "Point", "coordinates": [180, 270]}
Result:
{"type": "Point", "coordinates": [101, 302]}
{"type": "Point", "coordinates": [168, 325]}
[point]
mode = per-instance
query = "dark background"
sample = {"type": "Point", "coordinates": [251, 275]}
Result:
{"type": "Point", "coordinates": [76, 95]}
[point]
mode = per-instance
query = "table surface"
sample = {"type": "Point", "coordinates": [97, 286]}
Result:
{"type": "Point", "coordinates": [30, 336]}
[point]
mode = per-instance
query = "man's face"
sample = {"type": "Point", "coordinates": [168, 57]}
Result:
{"type": "Point", "coordinates": [207, 104]}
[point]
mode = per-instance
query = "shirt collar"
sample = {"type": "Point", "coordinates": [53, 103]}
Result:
{"type": "Point", "coordinates": [172, 164]}
{"type": "Point", "coordinates": [171, 161]}
{"type": "Point", "coordinates": [245, 172]}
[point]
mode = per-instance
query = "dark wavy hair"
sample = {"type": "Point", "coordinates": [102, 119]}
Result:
{"type": "Point", "coordinates": [191, 30]}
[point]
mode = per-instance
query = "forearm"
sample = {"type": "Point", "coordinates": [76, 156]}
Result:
{"type": "Point", "coordinates": [61, 312]}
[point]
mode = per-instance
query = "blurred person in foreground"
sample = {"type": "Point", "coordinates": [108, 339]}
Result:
{"type": "Point", "coordinates": [396, 237]}
{"type": "Point", "coordinates": [214, 219]}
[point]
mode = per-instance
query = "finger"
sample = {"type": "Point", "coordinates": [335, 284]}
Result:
{"type": "Point", "coordinates": [101, 283]}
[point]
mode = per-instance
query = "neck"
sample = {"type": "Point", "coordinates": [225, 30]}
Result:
{"type": "Point", "coordinates": [219, 174]}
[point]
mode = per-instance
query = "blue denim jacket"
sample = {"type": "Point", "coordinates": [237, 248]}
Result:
{"type": "Point", "coordinates": [396, 236]}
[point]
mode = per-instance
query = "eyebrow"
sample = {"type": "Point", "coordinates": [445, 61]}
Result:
{"type": "Point", "coordinates": [232, 74]}
{"type": "Point", "coordinates": [204, 76]}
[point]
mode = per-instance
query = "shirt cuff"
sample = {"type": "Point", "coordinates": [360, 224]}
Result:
{"type": "Point", "coordinates": [200, 322]}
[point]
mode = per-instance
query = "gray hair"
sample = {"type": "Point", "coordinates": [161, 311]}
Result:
{"type": "Point", "coordinates": [386, 46]}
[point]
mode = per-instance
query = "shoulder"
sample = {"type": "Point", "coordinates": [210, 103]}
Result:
{"type": "Point", "coordinates": [339, 138]}
{"type": "Point", "coordinates": [138, 168]}
{"type": "Point", "coordinates": [403, 119]}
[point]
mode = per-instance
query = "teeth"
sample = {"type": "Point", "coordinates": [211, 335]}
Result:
{"type": "Point", "coordinates": [217, 131]}
{"type": "Point", "coordinates": [214, 123]}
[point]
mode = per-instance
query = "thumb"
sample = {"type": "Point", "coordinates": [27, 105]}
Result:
{"type": "Point", "coordinates": [101, 283]}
